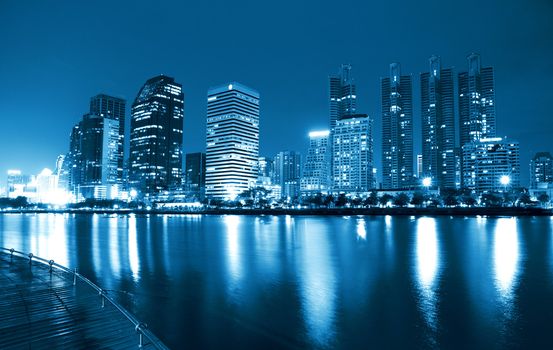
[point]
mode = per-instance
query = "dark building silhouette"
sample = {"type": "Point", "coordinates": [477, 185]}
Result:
{"type": "Point", "coordinates": [438, 124]}
{"type": "Point", "coordinates": [194, 174]}
{"type": "Point", "coordinates": [541, 170]}
{"type": "Point", "coordinates": [397, 129]}
{"type": "Point", "coordinates": [476, 102]}
{"type": "Point", "coordinates": [155, 157]}
{"type": "Point", "coordinates": [342, 95]}
{"type": "Point", "coordinates": [288, 172]}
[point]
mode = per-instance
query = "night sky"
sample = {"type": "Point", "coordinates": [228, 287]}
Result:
{"type": "Point", "coordinates": [55, 55]}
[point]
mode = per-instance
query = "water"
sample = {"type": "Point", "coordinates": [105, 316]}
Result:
{"type": "Point", "coordinates": [249, 282]}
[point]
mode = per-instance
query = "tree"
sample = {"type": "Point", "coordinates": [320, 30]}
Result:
{"type": "Point", "coordinates": [418, 199]}
{"type": "Point", "coordinates": [401, 199]}
{"type": "Point", "coordinates": [451, 200]}
{"type": "Point", "coordinates": [342, 200]}
{"type": "Point", "coordinates": [469, 200]}
{"type": "Point", "coordinates": [328, 200]}
{"type": "Point", "coordinates": [385, 199]}
{"type": "Point", "coordinates": [491, 199]}
{"type": "Point", "coordinates": [524, 199]}
{"type": "Point", "coordinates": [543, 199]}
{"type": "Point", "coordinates": [371, 200]}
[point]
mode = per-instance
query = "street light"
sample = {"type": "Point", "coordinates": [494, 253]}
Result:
{"type": "Point", "coordinates": [427, 182]}
{"type": "Point", "coordinates": [505, 180]}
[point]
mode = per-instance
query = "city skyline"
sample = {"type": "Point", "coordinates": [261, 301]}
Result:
{"type": "Point", "coordinates": [118, 78]}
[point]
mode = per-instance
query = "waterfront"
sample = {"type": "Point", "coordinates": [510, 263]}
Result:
{"type": "Point", "coordinates": [312, 282]}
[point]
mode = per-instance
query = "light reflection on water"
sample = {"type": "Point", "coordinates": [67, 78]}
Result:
{"type": "Point", "coordinates": [311, 282]}
{"type": "Point", "coordinates": [428, 265]}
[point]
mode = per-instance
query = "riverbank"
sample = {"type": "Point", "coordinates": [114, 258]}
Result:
{"type": "Point", "coordinates": [472, 211]}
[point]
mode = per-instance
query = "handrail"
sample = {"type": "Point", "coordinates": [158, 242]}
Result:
{"type": "Point", "coordinates": [140, 327]}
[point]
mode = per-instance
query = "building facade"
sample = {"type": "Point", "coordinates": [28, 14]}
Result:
{"type": "Point", "coordinates": [487, 161]}
{"type": "Point", "coordinates": [438, 124]}
{"type": "Point", "coordinates": [194, 174]}
{"type": "Point", "coordinates": [541, 170]}
{"type": "Point", "coordinates": [287, 173]}
{"type": "Point", "coordinates": [232, 140]}
{"type": "Point", "coordinates": [476, 102]}
{"type": "Point", "coordinates": [353, 154]}
{"type": "Point", "coordinates": [342, 95]}
{"type": "Point", "coordinates": [316, 170]}
{"type": "Point", "coordinates": [114, 108]}
{"type": "Point", "coordinates": [397, 129]}
{"type": "Point", "coordinates": [155, 159]}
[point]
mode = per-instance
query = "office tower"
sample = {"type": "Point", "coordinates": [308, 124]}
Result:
{"type": "Point", "coordinates": [342, 95]}
{"type": "Point", "coordinates": [232, 140]}
{"type": "Point", "coordinates": [438, 124]}
{"type": "Point", "coordinates": [316, 170]}
{"type": "Point", "coordinates": [156, 136]}
{"type": "Point", "coordinates": [72, 164]}
{"type": "Point", "coordinates": [288, 173]}
{"type": "Point", "coordinates": [419, 166]}
{"type": "Point", "coordinates": [487, 161]}
{"type": "Point", "coordinates": [194, 174]}
{"type": "Point", "coordinates": [353, 154]}
{"type": "Point", "coordinates": [99, 152]}
{"type": "Point", "coordinates": [397, 129]}
{"type": "Point", "coordinates": [476, 102]}
{"type": "Point", "coordinates": [541, 170]}
{"type": "Point", "coordinates": [114, 108]}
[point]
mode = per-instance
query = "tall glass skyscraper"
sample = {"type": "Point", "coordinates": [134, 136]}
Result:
{"type": "Point", "coordinates": [397, 129]}
{"type": "Point", "coordinates": [114, 108]}
{"type": "Point", "coordinates": [156, 136]}
{"type": "Point", "coordinates": [232, 140]}
{"type": "Point", "coordinates": [438, 124]}
{"type": "Point", "coordinates": [353, 154]}
{"type": "Point", "coordinates": [342, 95]}
{"type": "Point", "coordinates": [287, 172]}
{"type": "Point", "coordinates": [316, 170]}
{"type": "Point", "coordinates": [476, 102]}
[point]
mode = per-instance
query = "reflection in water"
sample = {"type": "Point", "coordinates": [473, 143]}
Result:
{"type": "Point", "coordinates": [114, 251]}
{"type": "Point", "coordinates": [96, 258]}
{"type": "Point", "coordinates": [318, 284]}
{"type": "Point", "coordinates": [428, 264]}
{"type": "Point", "coordinates": [505, 257]}
{"type": "Point", "coordinates": [233, 248]}
{"type": "Point", "coordinates": [361, 230]}
{"type": "Point", "coordinates": [134, 263]}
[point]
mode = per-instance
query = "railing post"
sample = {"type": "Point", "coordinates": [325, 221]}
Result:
{"type": "Point", "coordinates": [30, 258]}
{"type": "Point", "coordinates": [51, 262]}
{"type": "Point", "coordinates": [138, 329]}
{"type": "Point", "coordinates": [101, 293]}
{"type": "Point", "coordinates": [75, 277]}
{"type": "Point", "coordinates": [11, 254]}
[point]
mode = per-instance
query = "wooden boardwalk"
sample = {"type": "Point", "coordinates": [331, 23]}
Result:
{"type": "Point", "coordinates": [43, 310]}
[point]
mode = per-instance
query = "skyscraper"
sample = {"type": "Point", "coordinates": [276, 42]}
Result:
{"type": "Point", "coordinates": [156, 136]}
{"type": "Point", "coordinates": [397, 129]}
{"type": "Point", "coordinates": [342, 95]}
{"type": "Point", "coordinates": [194, 174]}
{"type": "Point", "coordinates": [232, 140]}
{"type": "Point", "coordinates": [353, 154]}
{"type": "Point", "coordinates": [316, 170]}
{"type": "Point", "coordinates": [487, 160]}
{"type": "Point", "coordinates": [476, 102]}
{"type": "Point", "coordinates": [114, 108]}
{"type": "Point", "coordinates": [287, 172]}
{"type": "Point", "coordinates": [438, 124]}
{"type": "Point", "coordinates": [99, 153]}
{"type": "Point", "coordinates": [541, 170]}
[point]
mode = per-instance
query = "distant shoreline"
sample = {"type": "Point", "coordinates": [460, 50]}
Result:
{"type": "Point", "coordinates": [475, 211]}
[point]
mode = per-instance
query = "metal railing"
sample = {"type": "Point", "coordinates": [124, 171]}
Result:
{"type": "Point", "coordinates": [140, 327]}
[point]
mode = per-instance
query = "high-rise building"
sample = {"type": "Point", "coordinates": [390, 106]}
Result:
{"type": "Point", "coordinates": [114, 108]}
{"type": "Point", "coordinates": [419, 166]}
{"type": "Point", "coordinates": [99, 151]}
{"type": "Point", "coordinates": [156, 136]}
{"type": "Point", "coordinates": [232, 140]}
{"type": "Point", "coordinates": [342, 95]}
{"type": "Point", "coordinates": [397, 129]}
{"type": "Point", "coordinates": [72, 164]}
{"type": "Point", "coordinates": [541, 170]}
{"type": "Point", "coordinates": [194, 174]}
{"type": "Point", "coordinates": [488, 161]}
{"type": "Point", "coordinates": [287, 173]}
{"type": "Point", "coordinates": [316, 170]}
{"type": "Point", "coordinates": [353, 154]}
{"type": "Point", "coordinates": [476, 102]}
{"type": "Point", "coordinates": [438, 124]}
